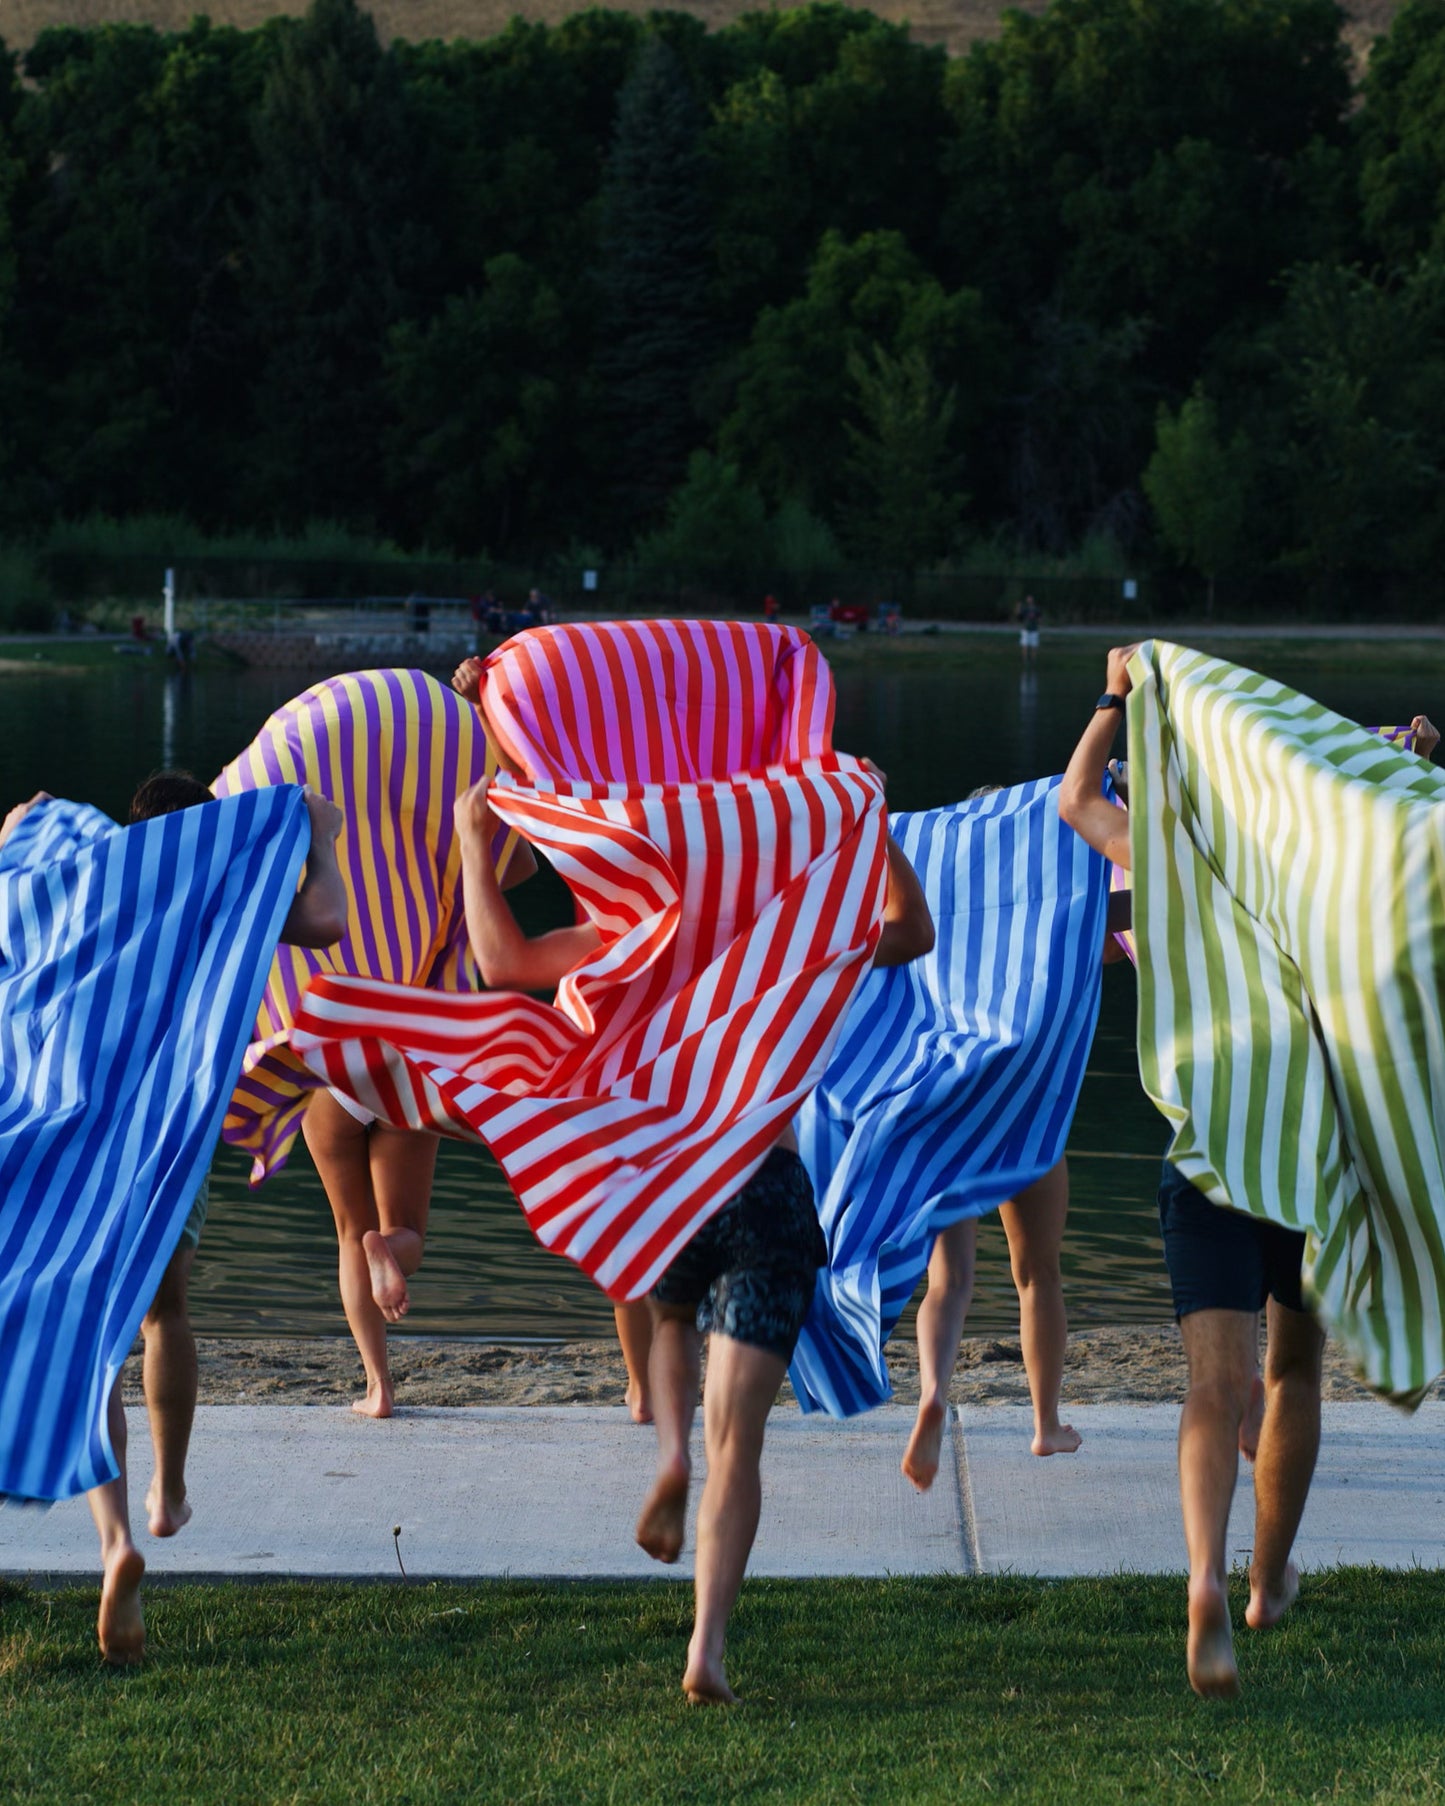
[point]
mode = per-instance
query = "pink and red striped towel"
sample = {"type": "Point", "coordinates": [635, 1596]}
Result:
{"type": "Point", "coordinates": [680, 777]}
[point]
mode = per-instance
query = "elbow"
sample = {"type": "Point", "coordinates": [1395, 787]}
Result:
{"type": "Point", "coordinates": [318, 928]}
{"type": "Point", "coordinates": [1069, 801]}
{"type": "Point", "coordinates": [908, 938]}
{"type": "Point", "coordinates": [922, 938]}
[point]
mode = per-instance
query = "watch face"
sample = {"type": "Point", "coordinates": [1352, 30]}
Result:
{"type": "Point", "coordinates": [1109, 701]}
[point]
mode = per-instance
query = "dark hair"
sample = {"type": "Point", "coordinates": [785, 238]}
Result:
{"type": "Point", "coordinates": [166, 791]}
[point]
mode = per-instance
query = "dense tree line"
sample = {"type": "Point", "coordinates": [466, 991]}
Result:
{"type": "Point", "coordinates": [793, 292]}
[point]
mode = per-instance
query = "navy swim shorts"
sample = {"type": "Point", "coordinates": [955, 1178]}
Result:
{"type": "Point", "coordinates": [752, 1270]}
{"type": "Point", "coordinates": [1225, 1260]}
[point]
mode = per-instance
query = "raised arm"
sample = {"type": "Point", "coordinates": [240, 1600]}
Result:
{"type": "Point", "coordinates": [1427, 736]}
{"type": "Point", "coordinates": [317, 917]}
{"type": "Point", "coordinates": [907, 919]}
{"type": "Point", "coordinates": [506, 958]}
{"type": "Point", "coordinates": [1082, 803]}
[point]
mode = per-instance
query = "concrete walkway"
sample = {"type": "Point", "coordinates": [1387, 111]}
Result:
{"type": "Point", "coordinates": [295, 1490]}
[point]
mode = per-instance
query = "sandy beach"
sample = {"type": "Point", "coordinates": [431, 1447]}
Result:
{"type": "Point", "coordinates": [1141, 1364]}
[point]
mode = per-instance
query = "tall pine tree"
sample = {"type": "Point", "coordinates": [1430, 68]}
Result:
{"type": "Point", "coordinates": [330, 253]}
{"type": "Point", "coordinates": [655, 272]}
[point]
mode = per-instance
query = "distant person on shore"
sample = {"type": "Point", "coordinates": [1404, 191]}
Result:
{"type": "Point", "coordinates": [317, 918]}
{"type": "Point", "coordinates": [746, 1278]}
{"type": "Point", "coordinates": [1030, 618]}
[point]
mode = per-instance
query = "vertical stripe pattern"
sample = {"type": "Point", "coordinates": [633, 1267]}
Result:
{"type": "Point", "coordinates": [131, 964]}
{"type": "Point", "coordinates": [954, 1082]}
{"type": "Point", "coordinates": [393, 750]}
{"type": "Point", "coordinates": [1289, 905]}
{"type": "Point", "coordinates": [737, 911]}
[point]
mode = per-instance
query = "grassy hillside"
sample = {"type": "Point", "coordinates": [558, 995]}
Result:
{"type": "Point", "coordinates": [954, 23]}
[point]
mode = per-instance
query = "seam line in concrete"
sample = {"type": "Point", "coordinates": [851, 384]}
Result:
{"type": "Point", "coordinates": [967, 1517]}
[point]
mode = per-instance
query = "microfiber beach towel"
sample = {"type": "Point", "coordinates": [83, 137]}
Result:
{"type": "Point", "coordinates": [131, 964]}
{"type": "Point", "coordinates": [393, 750]}
{"type": "Point", "coordinates": [681, 779]}
{"type": "Point", "coordinates": [954, 1082]}
{"type": "Point", "coordinates": [1289, 907]}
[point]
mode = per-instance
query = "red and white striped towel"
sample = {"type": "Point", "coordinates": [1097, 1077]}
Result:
{"type": "Point", "coordinates": [679, 777]}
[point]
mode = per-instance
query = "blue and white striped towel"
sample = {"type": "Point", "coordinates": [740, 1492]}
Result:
{"type": "Point", "coordinates": [954, 1082]}
{"type": "Point", "coordinates": [131, 964]}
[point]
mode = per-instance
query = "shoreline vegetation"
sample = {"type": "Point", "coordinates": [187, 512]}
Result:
{"type": "Point", "coordinates": [789, 301]}
{"type": "Point", "coordinates": [1135, 1364]}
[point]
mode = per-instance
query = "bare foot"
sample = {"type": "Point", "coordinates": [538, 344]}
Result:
{"type": "Point", "coordinates": [705, 1684]}
{"type": "Point", "coordinates": [663, 1520]}
{"type": "Point", "coordinates": [388, 1282]}
{"type": "Point", "coordinates": [920, 1458]}
{"type": "Point", "coordinates": [377, 1403]}
{"type": "Point", "coordinates": [164, 1516]}
{"type": "Point", "coordinates": [1253, 1419]}
{"type": "Point", "coordinates": [1058, 1439]}
{"type": "Point", "coordinates": [1267, 1605]}
{"type": "Point", "coordinates": [1212, 1670]}
{"type": "Point", "coordinates": [639, 1405]}
{"type": "Point", "coordinates": [121, 1626]}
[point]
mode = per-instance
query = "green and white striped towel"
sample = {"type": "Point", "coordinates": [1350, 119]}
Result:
{"type": "Point", "coordinates": [1289, 904]}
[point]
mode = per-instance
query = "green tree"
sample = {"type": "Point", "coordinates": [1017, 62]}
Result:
{"type": "Point", "coordinates": [786, 426]}
{"type": "Point", "coordinates": [715, 530]}
{"type": "Point", "coordinates": [330, 250]}
{"type": "Point", "coordinates": [1402, 135]}
{"type": "Point", "coordinates": [905, 473]}
{"type": "Point", "coordinates": [480, 419]}
{"type": "Point", "coordinates": [1198, 487]}
{"type": "Point", "coordinates": [655, 275]}
{"type": "Point", "coordinates": [1360, 386]}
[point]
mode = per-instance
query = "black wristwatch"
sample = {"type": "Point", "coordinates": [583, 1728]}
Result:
{"type": "Point", "coordinates": [1109, 701]}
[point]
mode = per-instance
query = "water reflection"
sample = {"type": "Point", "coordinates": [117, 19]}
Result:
{"type": "Point", "coordinates": [268, 1262]}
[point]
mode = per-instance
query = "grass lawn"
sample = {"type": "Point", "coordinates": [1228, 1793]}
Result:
{"type": "Point", "coordinates": [943, 1690]}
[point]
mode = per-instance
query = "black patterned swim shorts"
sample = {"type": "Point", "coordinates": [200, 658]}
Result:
{"type": "Point", "coordinates": [752, 1270]}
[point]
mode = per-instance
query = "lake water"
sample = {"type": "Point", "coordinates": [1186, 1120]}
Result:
{"type": "Point", "coordinates": [939, 727]}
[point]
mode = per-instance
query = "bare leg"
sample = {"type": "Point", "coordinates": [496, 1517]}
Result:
{"type": "Point", "coordinates": [170, 1389]}
{"type": "Point", "coordinates": [121, 1626]}
{"type": "Point", "coordinates": [674, 1367]}
{"type": "Point", "coordinates": [1253, 1419]}
{"type": "Point", "coordinates": [1034, 1224]}
{"type": "Point", "coordinates": [403, 1165]}
{"type": "Point", "coordinates": [742, 1382]}
{"type": "Point", "coordinates": [1221, 1348]}
{"type": "Point", "coordinates": [1289, 1442]}
{"type": "Point", "coordinates": [634, 1332]}
{"type": "Point", "coordinates": [339, 1144]}
{"type": "Point", "coordinates": [940, 1329]}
